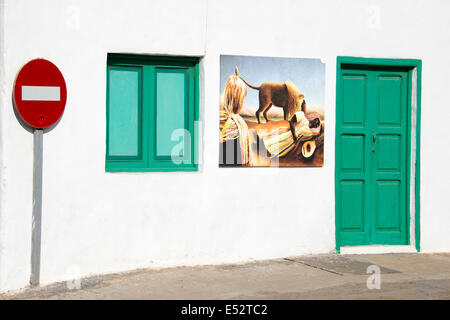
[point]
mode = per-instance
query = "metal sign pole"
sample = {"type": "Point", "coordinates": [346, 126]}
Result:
{"type": "Point", "coordinates": [37, 208]}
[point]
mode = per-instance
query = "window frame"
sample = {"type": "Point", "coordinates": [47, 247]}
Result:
{"type": "Point", "coordinates": [148, 160]}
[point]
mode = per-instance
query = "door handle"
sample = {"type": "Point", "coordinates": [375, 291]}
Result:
{"type": "Point", "coordinates": [374, 137]}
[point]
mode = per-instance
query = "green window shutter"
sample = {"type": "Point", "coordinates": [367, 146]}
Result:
{"type": "Point", "coordinates": [171, 110]}
{"type": "Point", "coordinates": [124, 113]}
{"type": "Point", "coordinates": [152, 106]}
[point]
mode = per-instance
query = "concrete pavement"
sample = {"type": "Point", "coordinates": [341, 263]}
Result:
{"type": "Point", "coordinates": [403, 276]}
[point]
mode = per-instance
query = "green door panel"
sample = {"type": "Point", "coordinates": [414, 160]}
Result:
{"type": "Point", "coordinates": [352, 214]}
{"type": "Point", "coordinates": [389, 109]}
{"type": "Point", "coordinates": [354, 106]}
{"type": "Point", "coordinates": [388, 209]}
{"type": "Point", "coordinates": [124, 112]}
{"type": "Point", "coordinates": [371, 156]}
{"type": "Point", "coordinates": [389, 152]}
{"type": "Point", "coordinates": [352, 157]}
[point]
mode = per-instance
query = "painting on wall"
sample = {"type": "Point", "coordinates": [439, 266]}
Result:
{"type": "Point", "coordinates": [271, 112]}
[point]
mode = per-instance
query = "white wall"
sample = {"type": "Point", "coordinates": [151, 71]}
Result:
{"type": "Point", "coordinates": [97, 222]}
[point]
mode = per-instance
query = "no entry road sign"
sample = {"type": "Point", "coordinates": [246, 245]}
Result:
{"type": "Point", "coordinates": [40, 96]}
{"type": "Point", "coordinates": [40, 93]}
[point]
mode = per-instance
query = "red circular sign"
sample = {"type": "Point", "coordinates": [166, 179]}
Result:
{"type": "Point", "coordinates": [40, 93]}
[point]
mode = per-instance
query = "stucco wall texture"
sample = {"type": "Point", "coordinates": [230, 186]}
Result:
{"type": "Point", "coordinates": [96, 222]}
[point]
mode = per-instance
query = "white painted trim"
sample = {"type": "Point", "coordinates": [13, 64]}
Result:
{"type": "Point", "coordinates": [377, 249]}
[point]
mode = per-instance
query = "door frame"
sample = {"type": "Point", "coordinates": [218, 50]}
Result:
{"type": "Point", "coordinates": [414, 69]}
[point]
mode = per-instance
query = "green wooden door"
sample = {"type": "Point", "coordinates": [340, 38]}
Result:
{"type": "Point", "coordinates": [371, 156]}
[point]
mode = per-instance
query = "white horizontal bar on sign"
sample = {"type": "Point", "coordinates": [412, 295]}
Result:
{"type": "Point", "coordinates": [41, 93]}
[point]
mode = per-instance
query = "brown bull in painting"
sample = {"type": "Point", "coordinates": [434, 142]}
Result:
{"type": "Point", "coordinates": [283, 95]}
